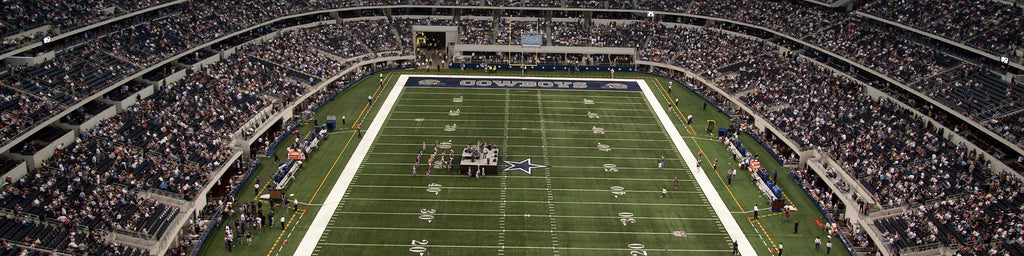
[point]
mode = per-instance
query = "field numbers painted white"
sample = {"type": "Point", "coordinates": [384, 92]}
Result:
{"type": "Point", "coordinates": [434, 188]}
{"type": "Point", "coordinates": [427, 214]}
{"type": "Point", "coordinates": [626, 218]}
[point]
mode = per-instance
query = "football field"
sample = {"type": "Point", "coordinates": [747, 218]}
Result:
{"type": "Point", "coordinates": [581, 174]}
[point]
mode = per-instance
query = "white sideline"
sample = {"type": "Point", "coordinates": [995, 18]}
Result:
{"type": "Point", "coordinates": [724, 215]}
{"type": "Point", "coordinates": [323, 217]}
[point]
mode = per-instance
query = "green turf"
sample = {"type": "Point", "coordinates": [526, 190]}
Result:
{"type": "Point", "coordinates": [381, 211]}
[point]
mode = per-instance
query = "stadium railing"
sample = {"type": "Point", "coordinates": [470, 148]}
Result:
{"type": "Point", "coordinates": [765, 146]}
{"type": "Point", "coordinates": [842, 235]}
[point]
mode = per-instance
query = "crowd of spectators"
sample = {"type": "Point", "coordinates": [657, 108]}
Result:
{"type": "Point", "coordinates": [899, 157]}
{"type": "Point", "coordinates": [986, 218]}
{"type": "Point", "coordinates": [885, 49]}
{"type": "Point", "coordinates": [993, 26]}
{"type": "Point", "coordinates": [22, 15]}
{"type": "Point", "coordinates": [21, 236]}
{"type": "Point", "coordinates": [20, 112]}
{"type": "Point", "coordinates": [703, 51]}
{"type": "Point", "coordinates": [1010, 127]}
{"type": "Point", "coordinates": [801, 18]}
{"type": "Point", "coordinates": [290, 50]}
{"type": "Point", "coordinates": [472, 31]}
{"type": "Point", "coordinates": [146, 43]}
{"type": "Point", "coordinates": [974, 92]}
{"type": "Point", "coordinates": [331, 38]}
{"type": "Point", "coordinates": [48, 87]}
{"type": "Point", "coordinates": [76, 197]}
{"type": "Point", "coordinates": [612, 34]}
{"type": "Point", "coordinates": [374, 34]}
{"type": "Point", "coordinates": [511, 31]}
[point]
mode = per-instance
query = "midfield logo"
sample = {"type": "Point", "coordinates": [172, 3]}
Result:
{"type": "Point", "coordinates": [526, 166]}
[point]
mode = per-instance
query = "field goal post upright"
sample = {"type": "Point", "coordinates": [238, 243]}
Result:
{"type": "Point", "coordinates": [530, 39]}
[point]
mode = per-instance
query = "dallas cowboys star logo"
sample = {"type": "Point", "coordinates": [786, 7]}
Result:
{"type": "Point", "coordinates": [525, 166]}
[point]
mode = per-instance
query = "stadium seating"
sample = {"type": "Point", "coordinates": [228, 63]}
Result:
{"type": "Point", "coordinates": [863, 135]}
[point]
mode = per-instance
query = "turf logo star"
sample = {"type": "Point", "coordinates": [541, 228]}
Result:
{"type": "Point", "coordinates": [526, 166]}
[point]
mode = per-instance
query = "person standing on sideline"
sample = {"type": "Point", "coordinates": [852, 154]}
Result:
{"type": "Point", "coordinates": [780, 249]}
{"type": "Point", "coordinates": [227, 242]}
{"type": "Point", "coordinates": [664, 192]}
{"type": "Point", "coordinates": [796, 225]}
{"type": "Point", "coordinates": [728, 174]}
{"type": "Point", "coordinates": [817, 243]}
{"type": "Point", "coordinates": [733, 176]}
{"type": "Point", "coordinates": [661, 164]}
{"type": "Point", "coordinates": [735, 247]}
{"type": "Point", "coordinates": [612, 70]}
{"type": "Point", "coordinates": [295, 205]}
{"type": "Point", "coordinates": [828, 247]}
{"type": "Point", "coordinates": [675, 184]}
{"type": "Point", "coordinates": [282, 221]}
{"type": "Point", "coordinates": [270, 219]}
{"type": "Point", "coordinates": [787, 215]}
{"type": "Point", "coordinates": [670, 86]}
{"type": "Point", "coordinates": [256, 188]}
{"type": "Point", "coordinates": [342, 119]}
{"type": "Point", "coordinates": [755, 212]}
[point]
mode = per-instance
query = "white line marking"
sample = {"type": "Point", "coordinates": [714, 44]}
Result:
{"type": "Point", "coordinates": [323, 216]}
{"type": "Point", "coordinates": [537, 177]}
{"type": "Point", "coordinates": [520, 247]}
{"type": "Point", "coordinates": [705, 184]}
{"type": "Point", "coordinates": [667, 233]}
{"type": "Point", "coordinates": [545, 189]}
{"type": "Point", "coordinates": [519, 215]}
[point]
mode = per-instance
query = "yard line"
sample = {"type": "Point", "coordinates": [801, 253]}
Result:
{"type": "Point", "coordinates": [518, 201]}
{"type": "Point", "coordinates": [519, 247]}
{"type": "Point", "coordinates": [593, 147]}
{"type": "Point", "coordinates": [561, 156]}
{"type": "Point", "coordinates": [528, 231]}
{"type": "Point", "coordinates": [535, 177]}
{"type": "Point", "coordinates": [425, 109]}
{"type": "Point", "coordinates": [504, 184]}
{"type": "Point", "coordinates": [441, 135]}
{"type": "Point", "coordinates": [560, 167]}
{"type": "Point", "coordinates": [506, 129]}
{"type": "Point", "coordinates": [628, 117]}
{"type": "Point", "coordinates": [524, 121]}
{"type": "Point", "coordinates": [506, 143]}
{"type": "Point", "coordinates": [547, 175]}
{"type": "Point", "coordinates": [510, 107]}
{"type": "Point", "coordinates": [521, 215]}
{"type": "Point", "coordinates": [551, 189]}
